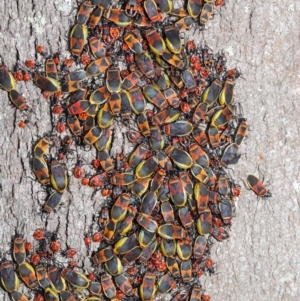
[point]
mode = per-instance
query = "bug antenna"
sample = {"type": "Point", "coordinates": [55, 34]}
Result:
{"type": "Point", "coordinates": [245, 185]}
{"type": "Point", "coordinates": [261, 174]}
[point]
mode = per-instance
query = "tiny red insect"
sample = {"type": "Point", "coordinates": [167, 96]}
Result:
{"type": "Point", "coordinates": [87, 240]}
{"type": "Point", "coordinates": [124, 73]}
{"type": "Point", "coordinates": [30, 63]}
{"type": "Point", "coordinates": [150, 265]}
{"type": "Point", "coordinates": [38, 297]}
{"type": "Point", "coordinates": [203, 73]}
{"type": "Point", "coordinates": [60, 127]}
{"type": "Point", "coordinates": [39, 234]}
{"type": "Point", "coordinates": [91, 276]}
{"type": "Point", "coordinates": [96, 181]}
{"type": "Point", "coordinates": [73, 263]}
{"type": "Point", "coordinates": [209, 263]}
{"type": "Point", "coordinates": [40, 49]}
{"type": "Point", "coordinates": [28, 246]}
{"type": "Point", "coordinates": [59, 95]}
{"type": "Point", "coordinates": [191, 46]}
{"type": "Point", "coordinates": [199, 273]}
{"type": "Point", "coordinates": [46, 94]}
{"type": "Point", "coordinates": [149, 113]}
{"type": "Point", "coordinates": [114, 32]}
{"type": "Point", "coordinates": [61, 156]}
{"type": "Point", "coordinates": [97, 237]}
{"type": "Point", "coordinates": [79, 172]}
{"type": "Point", "coordinates": [57, 110]}
{"type": "Point", "coordinates": [68, 62]}
{"type": "Point", "coordinates": [71, 252]}
{"type": "Point", "coordinates": [96, 163]}
{"type": "Point", "coordinates": [22, 124]}
{"type": "Point", "coordinates": [55, 246]}
{"type": "Point", "coordinates": [132, 271]}
{"type": "Point", "coordinates": [129, 58]}
{"type": "Point", "coordinates": [236, 190]}
{"type": "Point", "coordinates": [120, 295]}
{"type": "Point", "coordinates": [161, 266]}
{"type": "Point", "coordinates": [85, 181]}
{"type": "Point", "coordinates": [85, 59]}
{"type": "Point", "coordinates": [18, 76]}
{"type": "Point", "coordinates": [26, 77]}
{"type": "Point", "coordinates": [219, 3]}
{"type": "Point", "coordinates": [83, 116]}
{"type": "Point", "coordinates": [184, 93]}
{"type": "Point", "coordinates": [125, 47]}
{"type": "Point", "coordinates": [56, 60]}
{"type": "Point", "coordinates": [185, 108]}
{"type": "Point", "coordinates": [106, 192]}
{"type": "Point", "coordinates": [35, 258]}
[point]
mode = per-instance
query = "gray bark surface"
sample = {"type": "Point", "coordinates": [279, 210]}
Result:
{"type": "Point", "coordinates": [261, 260]}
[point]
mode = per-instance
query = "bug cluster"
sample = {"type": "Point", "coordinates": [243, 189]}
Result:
{"type": "Point", "coordinates": [171, 196]}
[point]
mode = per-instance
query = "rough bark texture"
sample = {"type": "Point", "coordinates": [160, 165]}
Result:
{"type": "Point", "coordinates": [261, 259]}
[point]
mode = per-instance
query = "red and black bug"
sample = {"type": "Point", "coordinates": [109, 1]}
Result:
{"type": "Point", "coordinates": [258, 187]}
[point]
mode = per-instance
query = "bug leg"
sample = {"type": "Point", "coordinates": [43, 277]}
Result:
{"type": "Point", "coordinates": [261, 174]}
{"type": "Point", "coordinates": [270, 208]}
{"type": "Point", "coordinates": [255, 213]}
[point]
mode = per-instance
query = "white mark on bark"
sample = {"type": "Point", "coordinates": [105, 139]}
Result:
{"type": "Point", "coordinates": [63, 5]}
{"type": "Point", "coordinates": [38, 24]}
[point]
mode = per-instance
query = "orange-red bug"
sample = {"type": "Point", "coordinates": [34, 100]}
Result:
{"type": "Point", "coordinates": [98, 66]}
{"type": "Point", "coordinates": [115, 103]}
{"type": "Point", "coordinates": [55, 246]}
{"type": "Point", "coordinates": [152, 11]}
{"type": "Point", "coordinates": [219, 3]}
{"type": "Point", "coordinates": [95, 16]}
{"type": "Point", "coordinates": [241, 131]}
{"type": "Point", "coordinates": [28, 246]}
{"type": "Point", "coordinates": [40, 49]}
{"type": "Point", "coordinates": [46, 83]}
{"type": "Point", "coordinates": [46, 94]}
{"type": "Point", "coordinates": [97, 237]}
{"type": "Point", "coordinates": [85, 181]}
{"type": "Point", "coordinates": [61, 127]}
{"type": "Point", "coordinates": [30, 63]}
{"type": "Point", "coordinates": [87, 240]}
{"type": "Point", "coordinates": [258, 187]}
{"type": "Point", "coordinates": [35, 258]}
{"type": "Point", "coordinates": [214, 136]}
{"type": "Point", "coordinates": [91, 276]}
{"type": "Point", "coordinates": [17, 99]}
{"type": "Point", "coordinates": [57, 110]}
{"type": "Point", "coordinates": [51, 69]}
{"type": "Point", "coordinates": [97, 48]}
{"type": "Point", "coordinates": [27, 274]}
{"type": "Point", "coordinates": [117, 16]}
{"type": "Point", "coordinates": [22, 124]}
{"type": "Point", "coordinates": [96, 181]}
{"type": "Point", "coordinates": [78, 38]}
{"type": "Point", "coordinates": [108, 286]}
{"type": "Point", "coordinates": [84, 12]}
{"type": "Point", "coordinates": [18, 75]}
{"type": "Point", "coordinates": [68, 62]}
{"type": "Point", "coordinates": [19, 251]}
{"type": "Point", "coordinates": [26, 77]}
{"type": "Point", "coordinates": [70, 252]}
{"type": "Point", "coordinates": [206, 12]}
{"type": "Point", "coordinates": [85, 59]}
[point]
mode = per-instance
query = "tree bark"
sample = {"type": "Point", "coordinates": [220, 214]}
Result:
{"type": "Point", "coordinates": [261, 259]}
